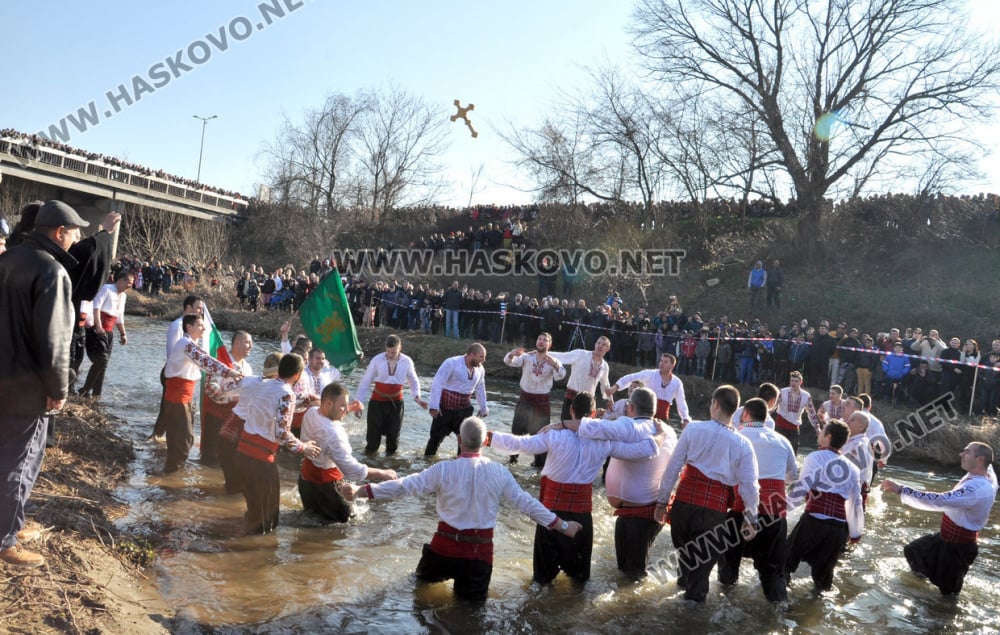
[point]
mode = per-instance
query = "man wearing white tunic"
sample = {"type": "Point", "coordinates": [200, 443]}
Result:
{"type": "Point", "coordinates": [945, 557]}
{"type": "Point", "coordinates": [538, 372]}
{"type": "Point", "coordinates": [858, 448]}
{"type": "Point", "coordinates": [321, 476]}
{"type": "Point", "coordinates": [632, 485]}
{"type": "Point", "coordinates": [567, 486]}
{"type": "Point", "coordinates": [714, 458]}
{"type": "Point", "coordinates": [775, 466]}
{"type": "Point", "coordinates": [588, 370]}
{"type": "Point", "coordinates": [383, 380]}
{"type": "Point", "coordinates": [109, 313]}
{"type": "Point", "coordinates": [468, 491]}
{"type": "Point", "coordinates": [667, 388]}
{"type": "Point", "coordinates": [792, 402]}
{"type": "Point", "coordinates": [450, 402]}
{"type": "Point", "coordinates": [830, 485]}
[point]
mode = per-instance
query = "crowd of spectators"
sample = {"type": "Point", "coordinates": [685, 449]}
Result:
{"type": "Point", "coordinates": [31, 141]}
{"type": "Point", "coordinates": [905, 368]}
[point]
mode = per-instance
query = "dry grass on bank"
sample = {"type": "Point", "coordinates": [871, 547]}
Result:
{"type": "Point", "coordinates": [93, 581]}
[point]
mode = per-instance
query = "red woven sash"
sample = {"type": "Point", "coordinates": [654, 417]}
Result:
{"type": "Point", "coordinates": [826, 503]}
{"type": "Point", "coordinates": [468, 544]}
{"type": "Point", "coordinates": [950, 532]}
{"type": "Point", "coordinates": [257, 447]}
{"type": "Point", "coordinates": [451, 400]}
{"type": "Point", "coordinates": [232, 429]}
{"type": "Point", "coordinates": [772, 498]}
{"type": "Point", "coordinates": [179, 390]}
{"type": "Point", "coordinates": [697, 489]}
{"type": "Point", "coordinates": [387, 392]}
{"type": "Point", "coordinates": [783, 424]}
{"type": "Point", "coordinates": [108, 321]}
{"type": "Point", "coordinates": [643, 511]}
{"type": "Point", "coordinates": [566, 497]}
{"type": "Point", "coordinates": [297, 420]}
{"type": "Point", "coordinates": [662, 409]}
{"type": "Point", "coordinates": [535, 399]}
{"type": "Point", "coordinates": [320, 475]}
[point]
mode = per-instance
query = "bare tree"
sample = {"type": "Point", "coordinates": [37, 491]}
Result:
{"type": "Point", "coordinates": [311, 160]}
{"type": "Point", "coordinates": [842, 87]}
{"type": "Point", "coordinates": [400, 140]}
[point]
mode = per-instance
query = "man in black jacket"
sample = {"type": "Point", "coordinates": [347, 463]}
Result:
{"type": "Point", "coordinates": [36, 327]}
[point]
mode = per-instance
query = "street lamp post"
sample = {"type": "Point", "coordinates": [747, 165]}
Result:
{"type": "Point", "coordinates": [201, 148]}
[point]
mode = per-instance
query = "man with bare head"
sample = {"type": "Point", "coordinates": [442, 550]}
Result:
{"type": "Point", "coordinates": [450, 402]}
{"type": "Point", "coordinates": [384, 379]}
{"type": "Point", "coordinates": [538, 371]}
{"type": "Point", "coordinates": [588, 370]}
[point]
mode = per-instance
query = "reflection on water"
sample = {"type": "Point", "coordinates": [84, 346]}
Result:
{"type": "Point", "coordinates": [307, 577]}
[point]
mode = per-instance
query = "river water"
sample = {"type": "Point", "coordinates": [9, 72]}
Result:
{"type": "Point", "coordinates": [357, 578]}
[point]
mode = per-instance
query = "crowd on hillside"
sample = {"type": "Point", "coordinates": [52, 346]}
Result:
{"type": "Point", "coordinates": [31, 141]}
{"type": "Point", "coordinates": [900, 365]}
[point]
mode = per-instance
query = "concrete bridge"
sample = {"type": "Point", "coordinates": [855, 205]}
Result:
{"type": "Point", "coordinates": [94, 187]}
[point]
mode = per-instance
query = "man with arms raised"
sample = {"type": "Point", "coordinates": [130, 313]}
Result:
{"type": "Point", "coordinates": [714, 457]}
{"type": "Point", "coordinates": [665, 386]}
{"type": "Point", "coordinates": [632, 485]}
{"type": "Point", "coordinates": [945, 557]}
{"type": "Point", "coordinates": [567, 486]}
{"type": "Point", "coordinates": [538, 371]}
{"type": "Point", "coordinates": [588, 371]}
{"type": "Point", "coordinates": [468, 491]}
{"type": "Point", "coordinates": [384, 379]}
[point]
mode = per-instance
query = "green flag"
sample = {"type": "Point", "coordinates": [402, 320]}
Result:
{"type": "Point", "coordinates": [327, 321]}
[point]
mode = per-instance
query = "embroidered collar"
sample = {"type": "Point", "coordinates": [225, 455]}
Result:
{"type": "Point", "coordinates": [469, 455]}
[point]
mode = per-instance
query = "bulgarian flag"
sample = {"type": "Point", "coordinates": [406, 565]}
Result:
{"type": "Point", "coordinates": [212, 340]}
{"type": "Point", "coordinates": [326, 319]}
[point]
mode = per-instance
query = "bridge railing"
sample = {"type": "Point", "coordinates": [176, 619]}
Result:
{"type": "Point", "coordinates": [56, 158]}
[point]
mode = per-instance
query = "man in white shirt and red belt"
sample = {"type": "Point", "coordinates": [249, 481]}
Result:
{"type": "Point", "coordinates": [775, 466]}
{"type": "Point", "coordinates": [450, 402]}
{"type": "Point", "coordinates": [632, 485]}
{"type": "Point", "coordinates": [945, 557]}
{"type": "Point", "coordinates": [567, 486]}
{"type": "Point", "coordinates": [792, 402]}
{"type": "Point", "coordinates": [667, 388]}
{"type": "Point", "coordinates": [588, 370]}
{"type": "Point", "coordinates": [266, 407]}
{"type": "Point", "coordinates": [108, 312]}
{"type": "Point", "coordinates": [539, 371]}
{"type": "Point", "coordinates": [183, 370]}
{"type": "Point", "coordinates": [468, 491]}
{"type": "Point", "coordinates": [830, 485]}
{"type": "Point", "coordinates": [714, 458]}
{"type": "Point", "coordinates": [384, 379]}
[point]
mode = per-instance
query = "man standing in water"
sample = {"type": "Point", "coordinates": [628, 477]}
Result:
{"type": "Point", "coordinates": [451, 394]}
{"type": "Point", "coordinates": [665, 385]}
{"type": "Point", "coordinates": [384, 380]}
{"type": "Point", "coordinates": [538, 371]}
{"type": "Point", "coordinates": [945, 557]}
{"type": "Point", "coordinates": [588, 370]}
{"type": "Point", "coordinates": [468, 491]}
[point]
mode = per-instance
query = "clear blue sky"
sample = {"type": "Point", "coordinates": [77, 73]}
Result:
{"type": "Point", "coordinates": [509, 58]}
